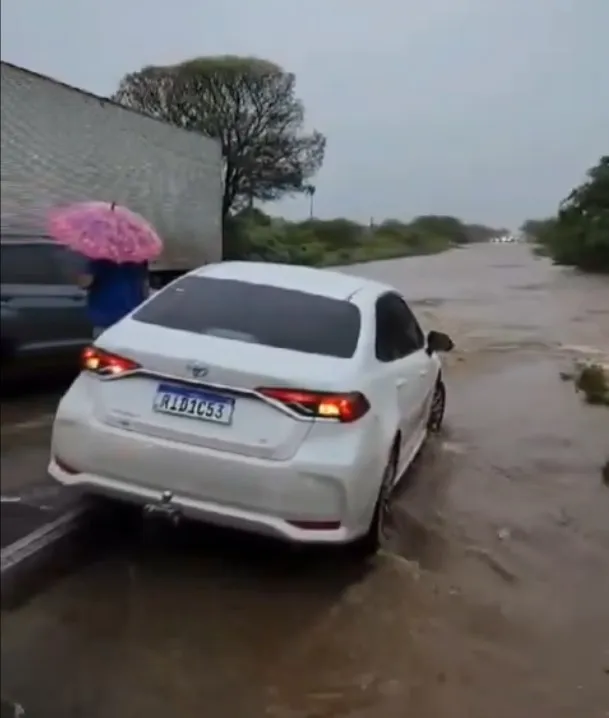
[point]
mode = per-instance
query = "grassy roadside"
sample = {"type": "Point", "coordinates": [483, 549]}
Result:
{"type": "Point", "coordinates": [255, 236]}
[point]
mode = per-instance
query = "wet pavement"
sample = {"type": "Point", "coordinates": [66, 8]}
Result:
{"type": "Point", "coordinates": [29, 499]}
{"type": "Point", "coordinates": [492, 599]}
{"type": "Point", "coordinates": [25, 436]}
{"type": "Point", "coordinates": [27, 510]}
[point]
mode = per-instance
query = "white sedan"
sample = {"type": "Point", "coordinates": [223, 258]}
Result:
{"type": "Point", "coordinates": [278, 399]}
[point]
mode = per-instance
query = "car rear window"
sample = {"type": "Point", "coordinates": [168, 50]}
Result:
{"type": "Point", "coordinates": [258, 313]}
{"type": "Point", "coordinates": [38, 263]}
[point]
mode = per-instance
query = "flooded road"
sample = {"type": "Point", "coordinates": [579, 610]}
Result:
{"type": "Point", "coordinates": [493, 599]}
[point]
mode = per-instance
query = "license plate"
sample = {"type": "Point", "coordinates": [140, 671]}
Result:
{"type": "Point", "coordinates": [193, 404]}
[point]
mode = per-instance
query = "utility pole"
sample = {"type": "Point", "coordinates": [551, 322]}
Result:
{"type": "Point", "coordinates": [310, 191]}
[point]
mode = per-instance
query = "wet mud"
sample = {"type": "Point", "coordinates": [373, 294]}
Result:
{"type": "Point", "coordinates": [491, 599]}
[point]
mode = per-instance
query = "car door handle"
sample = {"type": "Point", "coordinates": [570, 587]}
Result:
{"type": "Point", "coordinates": [424, 372]}
{"type": "Point", "coordinates": [401, 382]}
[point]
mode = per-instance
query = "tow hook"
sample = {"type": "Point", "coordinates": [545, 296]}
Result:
{"type": "Point", "coordinates": [164, 509]}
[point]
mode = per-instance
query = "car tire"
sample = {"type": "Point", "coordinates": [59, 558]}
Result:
{"type": "Point", "coordinates": [374, 538]}
{"type": "Point", "coordinates": [437, 408]}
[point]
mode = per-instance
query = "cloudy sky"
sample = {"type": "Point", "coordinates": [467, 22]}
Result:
{"type": "Point", "coordinates": [486, 109]}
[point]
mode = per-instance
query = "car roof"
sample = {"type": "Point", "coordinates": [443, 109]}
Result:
{"type": "Point", "coordinates": [323, 282]}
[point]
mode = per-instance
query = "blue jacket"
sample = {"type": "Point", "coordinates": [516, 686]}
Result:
{"type": "Point", "coordinates": [116, 290]}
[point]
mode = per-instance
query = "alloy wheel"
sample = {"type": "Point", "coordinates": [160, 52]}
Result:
{"type": "Point", "coordinates": [438, 406]}
{"type": "Point", "coordinates": [385, 522]}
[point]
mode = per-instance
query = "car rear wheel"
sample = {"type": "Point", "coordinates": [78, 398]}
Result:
{"type": "Point", "coordinates": [437, 408]}
{"type": "Point", "coordinates": [378, 531]}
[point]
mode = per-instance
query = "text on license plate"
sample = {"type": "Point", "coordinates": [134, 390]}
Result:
{"type": "Point", "coordinates": [194, 404]}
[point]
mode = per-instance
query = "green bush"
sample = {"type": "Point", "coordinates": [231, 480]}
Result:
{"type": "Point", "coordinates": [255, 236]}
{"type": "Point", "coordinates": [578, 236]}
{"type": "Point", "coordinates": [593, 383]}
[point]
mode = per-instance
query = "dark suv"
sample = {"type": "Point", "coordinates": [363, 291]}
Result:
{"type": "Point", "coordinates": [44, 320]}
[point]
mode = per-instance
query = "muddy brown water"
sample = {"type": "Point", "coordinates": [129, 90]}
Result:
{"type": "Point", "coordinates": [492, 599]}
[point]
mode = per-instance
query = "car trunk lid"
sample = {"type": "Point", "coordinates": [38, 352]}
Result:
{"type": "Point", "coordinates": [201, 390]}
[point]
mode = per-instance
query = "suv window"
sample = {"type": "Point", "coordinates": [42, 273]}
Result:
{"type": "Point", "coordinates": [258, 313]}
{"type": "Point", "coordinates": [37, 263]}
{"type": "Point", "coordinates": [398, 333]}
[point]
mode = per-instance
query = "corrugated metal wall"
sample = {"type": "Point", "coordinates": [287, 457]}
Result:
{"type": "Point", "coordinates": [61, 145]}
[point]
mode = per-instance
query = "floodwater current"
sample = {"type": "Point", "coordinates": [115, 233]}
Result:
{"type": "Point", "coordinates": [492, 599]}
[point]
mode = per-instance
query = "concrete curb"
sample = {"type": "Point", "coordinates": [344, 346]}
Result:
{"type": "Point", "coordinates": [55, 546]}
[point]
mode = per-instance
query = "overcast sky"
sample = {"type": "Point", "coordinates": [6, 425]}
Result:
{"type": "Point", "coordinates": [490, 110]}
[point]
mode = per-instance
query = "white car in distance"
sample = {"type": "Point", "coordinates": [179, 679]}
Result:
{"type": "Point", "coordinates": [278, 399]}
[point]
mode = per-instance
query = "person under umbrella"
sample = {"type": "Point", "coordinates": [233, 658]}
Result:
{"type": "Point", "coordinates": [117, 244]}
{"type": "Point", "coordinates": [113, 290]}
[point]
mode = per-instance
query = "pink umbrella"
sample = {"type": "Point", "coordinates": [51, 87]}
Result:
{"type": "Point", "coordinates": [104, 230]}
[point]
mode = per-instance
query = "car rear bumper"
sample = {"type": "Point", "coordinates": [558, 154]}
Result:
{"type": "Point", "coordinates": [207, 511]}
{"type": "Point", "coordinates": [292, 500]}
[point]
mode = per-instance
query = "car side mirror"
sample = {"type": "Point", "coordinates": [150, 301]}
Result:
{"type": "Point", "coordinates": [439, 342]}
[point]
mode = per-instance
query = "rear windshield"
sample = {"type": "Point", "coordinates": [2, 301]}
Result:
{"type": "Point", "coordinates": [257, 313]}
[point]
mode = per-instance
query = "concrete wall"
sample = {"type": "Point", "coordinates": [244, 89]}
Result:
{"type": "Point", "coordinates": [61, 145]}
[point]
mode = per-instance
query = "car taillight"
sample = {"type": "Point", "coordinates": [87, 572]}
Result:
{"type": "Point", "coordinates": [342, 407]}
{"type": "Point", "coordinates": [104, 363]}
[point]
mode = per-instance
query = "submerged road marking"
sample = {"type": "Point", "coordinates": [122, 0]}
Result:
{"type": "Point", "coordinates": [39, 497]}
{"type": "Point", "coordinates": [40, 539]}
{"type": "Point", "coordinates": [29, 501]}
{"type": "Point", "coordinates": [40, 422]}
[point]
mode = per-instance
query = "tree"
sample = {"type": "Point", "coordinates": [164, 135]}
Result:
{"type": "Point", "coordinates": [442, 226]}
{"type": "Point", "coordinates": [250, 106]}
{"type": "Point", "coordinates": [482, 233]}
{"type": "Point", "coordinates": [579, 234]}
{"type": "Point", "coordinates": [535, 229]}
